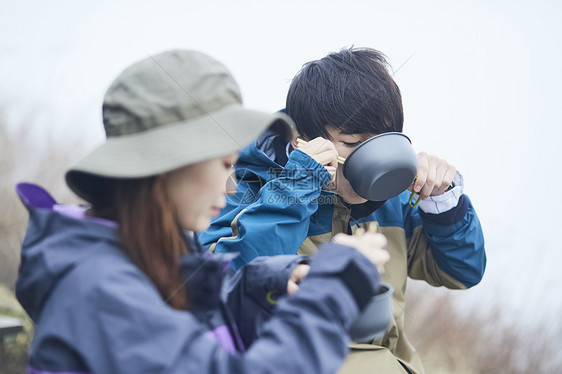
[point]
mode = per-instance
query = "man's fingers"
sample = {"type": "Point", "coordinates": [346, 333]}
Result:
{"type": "Point", "coordinates": [423, 168]}
{"type": "Point", "coordinates": [317, 145]}
{"type": "Point", "coordinates": [434, 176]}
{"type": "Point", "coordinates": [327, 157]}
{"type": "Point", "coordinates": [333, 171]}
{"type": "Point", "coordinates": [440, 184]}
{"type": "Point", "coordinates": [449, 176]}
{"type": "Point", "coordinates": [322, 150]}
{"type": "Point", "coordinates": [427, 188]}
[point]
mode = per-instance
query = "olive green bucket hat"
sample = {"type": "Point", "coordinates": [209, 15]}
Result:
{"type": "Point", "coordinates": [167, 111]}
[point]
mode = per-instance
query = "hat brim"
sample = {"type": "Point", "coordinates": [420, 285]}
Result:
{"type": "Point", "coordinates": [169, 147]}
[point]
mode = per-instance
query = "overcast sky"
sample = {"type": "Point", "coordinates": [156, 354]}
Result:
{"type": "Point", "coordinates": [482, 90]}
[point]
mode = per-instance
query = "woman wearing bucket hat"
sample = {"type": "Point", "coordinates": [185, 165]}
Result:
{"type": "Point", "coordinates": [121, 288]}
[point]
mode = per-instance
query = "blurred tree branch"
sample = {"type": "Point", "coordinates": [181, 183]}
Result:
{"type": "Point", "coordinates": [26, 158]}
{"type": "Point", "coordinates": [478, 340]}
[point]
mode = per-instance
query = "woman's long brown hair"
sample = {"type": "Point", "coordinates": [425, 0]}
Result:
{"type": "Point", "coordinates": [149, 231]}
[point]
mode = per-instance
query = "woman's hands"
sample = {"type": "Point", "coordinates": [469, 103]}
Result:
{"type": "Point", "coordinates": [298, 274]}
{"type": "Point", "coordinates": [371, 245]}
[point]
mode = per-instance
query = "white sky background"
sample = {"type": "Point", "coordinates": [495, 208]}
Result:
{"type": "Point", "coordinates": [482, 91]}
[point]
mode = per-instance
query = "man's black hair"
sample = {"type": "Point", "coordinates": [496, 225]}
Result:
{"type": "Point", "coordinates": [351, 90]}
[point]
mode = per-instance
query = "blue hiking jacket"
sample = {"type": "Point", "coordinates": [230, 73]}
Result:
{"type": "Point", "coordinates": [96, 312]}
{"type": "Point", "coordinates": [281, 208]}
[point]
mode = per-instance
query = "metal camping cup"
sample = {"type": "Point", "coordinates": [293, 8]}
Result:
{"type": "Point", "coordinates": [381, 167]}
{"type": "Point", "coordinates": [375, 318]}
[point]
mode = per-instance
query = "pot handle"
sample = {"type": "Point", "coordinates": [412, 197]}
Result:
{"type": "Point", "coordinates": [413, 205]}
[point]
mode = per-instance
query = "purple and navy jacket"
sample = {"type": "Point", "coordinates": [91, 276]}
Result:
{"type": "Point", "coordinates": [96, 312]}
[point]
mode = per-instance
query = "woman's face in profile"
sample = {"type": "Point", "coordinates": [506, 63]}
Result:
{"type": "Point", "coordinates": [198, 191]}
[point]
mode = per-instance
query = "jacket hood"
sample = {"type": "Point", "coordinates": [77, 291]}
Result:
{"type": "Point", "coordinates": [58, 238]}
{"type": "Point", "coordinates": [265, 157]}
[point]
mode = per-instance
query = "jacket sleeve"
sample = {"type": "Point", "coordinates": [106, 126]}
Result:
{"type": "Point", "coordinates": [445, 249]}
{"type": "Point", "coordinates": [253, 292]}
{"type": "Point", "coordinates": [270, 220]}
{"type": "Point", "coordinates": [130, 329]}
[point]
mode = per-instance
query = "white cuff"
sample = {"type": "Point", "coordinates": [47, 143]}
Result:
{"type": "Point", "coordinates": [446, 201]}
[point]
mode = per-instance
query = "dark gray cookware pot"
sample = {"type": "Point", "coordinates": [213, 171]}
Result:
{"type": "Point", "coordinates": [375, 318]}
{"type": "Point", "coordinates": [381, 167]}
